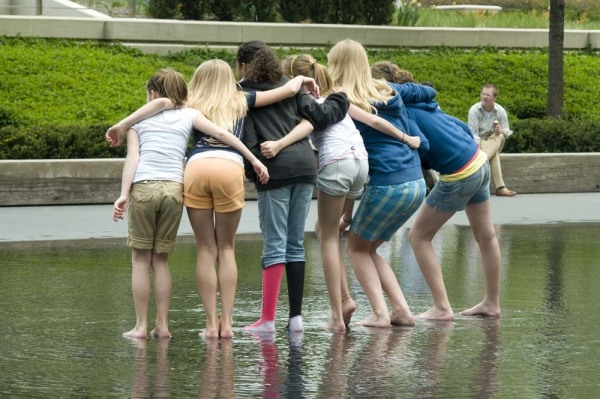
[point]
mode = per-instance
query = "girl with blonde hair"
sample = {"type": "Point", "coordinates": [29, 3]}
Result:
{"type": "Point", "coordinates": [151, 189]}
{"type": "Point", "coordinates": [396, 187]}
{"type": "Point", "coordinates": [343, 169]}
{"type": "Point", "coordinates": [213, 183]}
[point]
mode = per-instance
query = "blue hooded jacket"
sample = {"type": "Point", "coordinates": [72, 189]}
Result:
{"type": "Point", "coordinates": [392, 162]}
{"type": "Point", "coordinates": [451, 145]}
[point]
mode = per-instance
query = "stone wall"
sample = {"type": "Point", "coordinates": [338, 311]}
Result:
{"type": "Point", "coordinates": [97, 181]}
{"type": "Point", "coordinates": [163, 36]}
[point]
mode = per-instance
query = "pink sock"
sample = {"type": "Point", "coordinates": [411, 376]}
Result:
{"type": "Point", "coordinates": [270, 290]}
{"type": "Point", "coordinates": [271, 281]}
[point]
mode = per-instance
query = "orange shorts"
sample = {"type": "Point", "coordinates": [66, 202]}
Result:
{"type": "Point", "coordinates": [214, 183]}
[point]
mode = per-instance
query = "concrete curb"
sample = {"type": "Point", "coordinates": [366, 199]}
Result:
{"type": "Point", "coordinates": [97, 181]}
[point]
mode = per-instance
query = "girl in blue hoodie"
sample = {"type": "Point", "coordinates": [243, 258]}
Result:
{"type": "Point", "coordinates": [395, 189]}
{"type": "Point", "coordinates": [464, 185]}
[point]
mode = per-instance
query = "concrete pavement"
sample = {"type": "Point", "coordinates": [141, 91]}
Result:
{"type": "Point", "coordinates": [53, 224]}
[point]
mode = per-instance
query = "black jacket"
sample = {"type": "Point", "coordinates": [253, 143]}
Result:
{"type": "Point", "coordinates": [296, 163]}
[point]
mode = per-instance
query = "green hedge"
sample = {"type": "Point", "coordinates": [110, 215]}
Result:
{"type": "Point", "coordinates": [64, 142]}
{"type": "Point", "coordinates": [54, 88]}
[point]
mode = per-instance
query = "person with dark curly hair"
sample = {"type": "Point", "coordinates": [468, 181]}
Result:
{"type": "Point", "coordinates": [284, 201]}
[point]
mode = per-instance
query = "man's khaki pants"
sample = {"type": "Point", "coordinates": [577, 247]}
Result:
{"type": "Point", "coordinates": [492, 147]}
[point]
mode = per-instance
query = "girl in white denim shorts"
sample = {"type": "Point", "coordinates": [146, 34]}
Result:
{"type": "Point", "coordinates": [342, 174]}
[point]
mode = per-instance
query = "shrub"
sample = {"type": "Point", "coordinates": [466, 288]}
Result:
{"type": "Point", "coordinates": [74, 83]}
{"type": "Point", "coordinates": [193, 9]}
{"type": "Point", "coordinates": [554, 135]}
{"type": "Point", "coordinates": [293, 11]}
{"type": "Point", "coordinates": [225, 10]}
{"type": "Point", "coordinates": [8, 118]}
{"type": "Point", "coordinates": [378, 12]}
{"type": "Point", "coordinates": [65, 142]}
{"type": "Point", "coordinates": [260, 10]}
{"type": "Point", "coordinates": [163, 9]}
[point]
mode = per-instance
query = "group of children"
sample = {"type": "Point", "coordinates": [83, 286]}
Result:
{"type": "Point", "coordinates": [372, 134]}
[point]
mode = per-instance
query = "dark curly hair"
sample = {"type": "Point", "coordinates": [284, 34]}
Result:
{"type": "Point", "coordinates": [262, 65]}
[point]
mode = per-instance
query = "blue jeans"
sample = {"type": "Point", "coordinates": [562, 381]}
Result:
{"type": "Point", "coordinates": [282, 214]}
{"type": "Point", "coordinates": [455, 196]}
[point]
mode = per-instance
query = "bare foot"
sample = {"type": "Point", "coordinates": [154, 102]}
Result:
{"type": "Point", "coordinates": [135, 333]}
{"type": "Point", "coordinates": [375, 321]}
{"type": "Point", "coordinates": [437, 314]}
{"type": "Point", "coordinates": [334, 325]}
{"type": "Point", "coordinates": [402, 319]}
{"type": "Point", "coordinates": [225, 330]}
{"type": "Point", "coordinates": [160, 333]}
{"type": "Point", "coordinates": [209, 333]}
{"type": "Point", "coordinates": [348, 308]}
{"type": "Point", "coordinates": [482, 309]}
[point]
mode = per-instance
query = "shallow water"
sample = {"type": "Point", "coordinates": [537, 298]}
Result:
{"type": "Point", "coordinates": [63, 310]}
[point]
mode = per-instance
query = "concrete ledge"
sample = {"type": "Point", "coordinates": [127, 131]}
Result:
{"type": "Point", "coordinates": [552, 173]}
{"type": "Point", "coordinates": [161, 36]}
{"type": "Point", "coordinates": [469, 8]}
{"type": "Point", "coordinates": [97, 181]}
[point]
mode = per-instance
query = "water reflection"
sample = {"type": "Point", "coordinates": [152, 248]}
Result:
{"type": "Point", "coordinates": [217, 374]}
{"type": "Point", "coordinates": [151, 381]}
{"type": "Point", "coordinates": [486, 381]}
{"type": "Point", "coordinates": [545, 344]}
{"type": "Point", "coordinates": [431, 359]}
{"type": "Point", "coordinates": [335, 376]}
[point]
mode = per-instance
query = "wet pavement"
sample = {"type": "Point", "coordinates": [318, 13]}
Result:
{"type": "Point", "coordinates": [85, 222]}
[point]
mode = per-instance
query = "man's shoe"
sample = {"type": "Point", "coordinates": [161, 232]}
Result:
{"type": "Point", "coordinates": [505, 192]}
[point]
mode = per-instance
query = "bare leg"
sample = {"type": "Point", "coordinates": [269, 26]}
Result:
{"type": "Point", "coordinates": [359, 251]}
{"type": "Point", "coordinates": [428, 223]}
{"type": "Point", "coordinates": [140, 286]}
{"type": "Point", "coordinates": [206, 274]}
{"type": "Point", "coordinates": [226, 225]}
{"type": "Point", "coordinates": [480, 218]}
{"type": "Point", "coordinates": [329, 211]}
{"type": "Point", "coordinates": [163, 288]}
{"type": "Point", "coordinates": [348, 305]}
{"type": "Point", "coordinates": [401, 313]}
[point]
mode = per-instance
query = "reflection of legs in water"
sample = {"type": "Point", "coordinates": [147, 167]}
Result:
{"type": "Point", "coordinates": [141, 383]}
{"type": "Point", "coordinates": [433, 358]}
{"type": "Point", "coordinates": [480, 218]}
{"type": "Point", "coordinates": [335, 383]}
{"type": "Point", "coordinates": [141, 380]}
{"type": "Point", "coordinates": [487, 377]}
{"type": "Point", "coordinates": [268, 367]}
{"type": "Point", "coordinates": [379, 358]}
{"type": "Point", "coordinates": [428, 223]}
{"type": "Point", "coordinates": [218, 370]}
{"type": "Point", "coordinates": [162, 379]}
{"type": "Point", "coordinates": [294, 383]}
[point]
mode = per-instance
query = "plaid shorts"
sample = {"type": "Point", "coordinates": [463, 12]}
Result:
{"type": "Point", "coordinates": [384, 209]}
